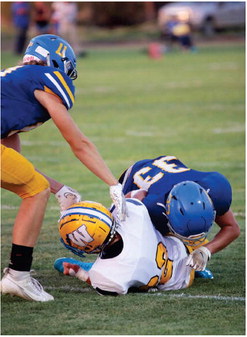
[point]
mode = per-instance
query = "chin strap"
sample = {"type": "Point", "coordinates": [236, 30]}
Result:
{"type": "Point", "coordinates": [74, 250]}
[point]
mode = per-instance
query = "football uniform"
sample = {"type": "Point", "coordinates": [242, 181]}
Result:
{"type": "Point", "coordinates": [20, 109]}
{"type": "Point", "coordinates": [18, 175]}
{"type": "Point", "coordinates": [159, 175]}
{"type": "Point", "coordinates": [147, 259]}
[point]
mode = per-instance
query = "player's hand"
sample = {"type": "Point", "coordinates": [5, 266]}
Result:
{"type": "Point", "coordinates": [198, 258]}
{"type": "Point", "coordinates": [116, 193]}
{"type": "Point", "coordinates": [66, 197]}
{"type": "Point", "coordinates": [74, 270]}
{"type": "Point", "coordinates": [70, 269]}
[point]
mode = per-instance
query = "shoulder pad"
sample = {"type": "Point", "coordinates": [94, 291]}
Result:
{"type": "Point", "coordinates": [60, 84]}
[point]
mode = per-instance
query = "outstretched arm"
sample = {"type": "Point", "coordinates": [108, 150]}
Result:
{"type": "Point", "coordinates": [81, 146]}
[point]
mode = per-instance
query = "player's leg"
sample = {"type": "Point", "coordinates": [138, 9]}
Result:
{"type": "Point", "coordinates": [19, 176]}
{"type": "Point", "coordinates": [29, 219]}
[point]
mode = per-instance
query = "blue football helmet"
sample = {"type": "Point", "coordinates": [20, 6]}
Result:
{"type": "Point", "coordinates": [190, 212]}
{"type": "Point", "coordinates": [53, 50]}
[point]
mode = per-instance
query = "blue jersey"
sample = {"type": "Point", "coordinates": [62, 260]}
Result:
{"type": "Point", "coordinates": [161, 174]}
{"type": "Point", "coordinates": [20, 109]}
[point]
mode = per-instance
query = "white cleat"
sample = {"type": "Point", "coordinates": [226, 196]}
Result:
{"type": "Point", "coordinates": [23, 286]}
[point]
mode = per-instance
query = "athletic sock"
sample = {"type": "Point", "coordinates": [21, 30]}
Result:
{"type": "Point", "coordinates": [21, 258]}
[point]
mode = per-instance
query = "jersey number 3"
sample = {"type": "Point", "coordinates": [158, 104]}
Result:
{"type": "Point", "coordinates": [164, 264]}
{"type": "Point", "coordinates": [163, 164]}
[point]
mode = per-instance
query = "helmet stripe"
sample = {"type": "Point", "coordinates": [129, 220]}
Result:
{"type": "Point", "coordinates": [93, 209]}
{"type": "Point", "coordinates": [89, 212]}
{"type": "Point", "coordinates": [59, 88]}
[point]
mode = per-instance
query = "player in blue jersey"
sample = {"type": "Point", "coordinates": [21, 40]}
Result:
{"type": "Point", "coordinates": [184, 202]}
{"type": "Point", "coordinates": [33, 92]}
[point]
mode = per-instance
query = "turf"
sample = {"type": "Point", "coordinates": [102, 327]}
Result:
{"type": "Point", "coordinates": [188, 105]}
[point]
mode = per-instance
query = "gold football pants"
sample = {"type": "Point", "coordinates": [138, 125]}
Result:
{"type": "Point", "coordinates": [18, 175]}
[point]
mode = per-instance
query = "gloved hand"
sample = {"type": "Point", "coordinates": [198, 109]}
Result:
{"type": "Point", "coordinates": [66, 197]}
{"type": "Point", "coordinates": [116, 193]}
{"type": "Point", "coordinates": [198, 258]}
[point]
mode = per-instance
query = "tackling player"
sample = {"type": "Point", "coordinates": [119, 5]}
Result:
{"type": "Point", "coordinates": [133, 255]}
{"type": "Point", "coordinates": [33, 92]}
{"type": "Point", "coordinates": [184, 202]}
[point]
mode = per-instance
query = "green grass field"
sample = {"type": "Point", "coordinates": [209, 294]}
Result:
{"type": "Point", "coordinates": [188, 105]}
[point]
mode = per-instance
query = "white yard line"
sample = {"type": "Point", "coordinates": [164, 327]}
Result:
{"type": "Point", "coordinates": [70, 289]}
{"type": "Point", "coordinates": [210, 297]}
{"type": "Point", "coordinates": [184, 296]}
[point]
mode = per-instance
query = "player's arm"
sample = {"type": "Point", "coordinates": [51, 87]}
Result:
{"type": "Point", "coordinates": [76, 271]}
{"type": "Point", "coordinates": [81, 274]}
{"type": "Point", "coordinates": [137, 194]}
{"type": "Point", "coordinates": [82, 147]}
{"type": "Point", "coordinates": [229, 231]}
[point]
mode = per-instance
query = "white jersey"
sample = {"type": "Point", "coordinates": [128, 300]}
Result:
{"type": "Point", "coordinates": [147, 259]}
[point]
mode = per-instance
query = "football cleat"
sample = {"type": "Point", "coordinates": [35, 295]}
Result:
{"type": "Point", "coordinates": [58, 264]}
{"type": "Point", "coordinates": [23, 286]}
{"type": "Point", "coordinates": [206, 273]}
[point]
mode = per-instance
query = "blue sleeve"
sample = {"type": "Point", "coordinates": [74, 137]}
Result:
{"type": "Point", "coordinates": [58, 83]}
{"type": "Point", "coordinates": [219, 190]}
{"type": "Point", "coordinates": [49, 79]}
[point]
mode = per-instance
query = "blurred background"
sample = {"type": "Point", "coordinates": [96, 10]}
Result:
{"type": "Point", "coordinates": [160, 27]}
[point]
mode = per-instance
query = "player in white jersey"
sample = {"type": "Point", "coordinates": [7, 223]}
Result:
{"type": "Point", "coordinates": [134, 256]}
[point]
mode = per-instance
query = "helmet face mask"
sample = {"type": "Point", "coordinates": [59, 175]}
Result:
{"type": "Point", "coordinates": [86, 227]}
{"type": "Point", "coordinates": [190, 212]}
{"type": "Point", "coordinates": [69, 69]}
{"type": "Point", "coordinates": [192, 240]}
{"type": "Point", "coordinates": [53, 50]}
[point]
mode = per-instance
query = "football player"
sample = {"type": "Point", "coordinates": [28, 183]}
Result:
{"type": "Point", "coordinates": [39, 89]}
{"type": "Point", "coordinates": [184, 202]}
{"type": "Point", "coordinates": [133, 255]}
